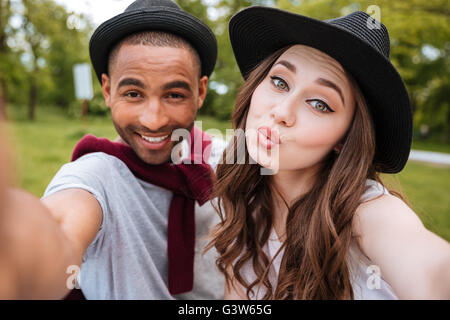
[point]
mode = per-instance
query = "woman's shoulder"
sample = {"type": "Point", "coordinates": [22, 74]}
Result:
{"type": "Point", "coordinates": [373, 190]}
{"type": "Point", "coordinates": [380, 211]}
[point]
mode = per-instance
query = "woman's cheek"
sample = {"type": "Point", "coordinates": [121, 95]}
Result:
{"type": "Point", "coordinates": [320, 133]}
{"type": "Point", "coordinates": [261, 101]}
{"type": "Point", "coordinates": [257, 109]}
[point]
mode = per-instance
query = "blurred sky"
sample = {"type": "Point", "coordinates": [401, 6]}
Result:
{"type": "Point", "coordinates": [102, 10]}
{"type": "Point", "coordinates": [98, 10]}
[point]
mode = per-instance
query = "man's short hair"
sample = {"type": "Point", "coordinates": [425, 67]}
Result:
{"type": "Point", "coordinates": [156, 39]}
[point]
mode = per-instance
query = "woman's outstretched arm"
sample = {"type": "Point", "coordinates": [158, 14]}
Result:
{"type": "Point", "coordinates": [413, 260]}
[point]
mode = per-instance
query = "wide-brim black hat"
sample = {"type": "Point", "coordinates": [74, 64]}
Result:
{"type": "Point", "coordinates": [153, 15]}
{"type": "Point", "coordinates": [359, 43]}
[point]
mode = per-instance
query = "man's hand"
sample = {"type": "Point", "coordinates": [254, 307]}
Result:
{"type": "Point", "coordinates": [32, 246]}
{"type": "Point", "coordinates": [40, 240]}
{"type": "Point", "coordinates": [4, 167]}
{"type": "Point", "coordinates": [7, 288]}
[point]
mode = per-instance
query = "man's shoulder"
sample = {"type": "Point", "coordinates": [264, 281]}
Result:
{"type": "Point", "coordinates": [96, 161]}
{"type": "Point", "coordinates": [96, 165]}
{"type": "Point", "coordinates": [92, 172]}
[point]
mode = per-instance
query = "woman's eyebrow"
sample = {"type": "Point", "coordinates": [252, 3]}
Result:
{"type": "Point", "coordinates": [332, 85]}
{"type": "Point", "coordinates": [288, 65]}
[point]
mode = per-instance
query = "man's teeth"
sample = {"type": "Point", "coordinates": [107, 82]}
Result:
{"type": "Point", "coordinates": [154, 140]}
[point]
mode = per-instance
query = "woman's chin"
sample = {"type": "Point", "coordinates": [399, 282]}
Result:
{"type": "Point", "coordinates": [265, 160]}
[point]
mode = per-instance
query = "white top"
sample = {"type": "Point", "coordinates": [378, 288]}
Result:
{"type": "Point", "coordinates": [366, 279]}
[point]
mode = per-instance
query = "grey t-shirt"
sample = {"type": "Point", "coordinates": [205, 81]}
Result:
{"type": "Point", "coordinates": [128, 257]}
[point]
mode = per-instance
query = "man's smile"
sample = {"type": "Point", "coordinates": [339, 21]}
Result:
{"type": "Point", "coordinates": [154, 143]}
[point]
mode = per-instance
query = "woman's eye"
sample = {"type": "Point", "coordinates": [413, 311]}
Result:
{"type": "Point", "coordinates": [320, 106]}
{"type": "Point", "coordinates": [280, 83]}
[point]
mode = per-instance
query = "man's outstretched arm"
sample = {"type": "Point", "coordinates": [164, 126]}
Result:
{"type": "Point", "coordinates": [41, 239]}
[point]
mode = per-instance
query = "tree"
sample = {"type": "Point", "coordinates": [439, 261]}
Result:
{"type": "Point", "coordinates": [5, 15]}
{"type": "Point", "coordinates": [68, 47]}
{"type": "Point", "coordinates": [54, 41]}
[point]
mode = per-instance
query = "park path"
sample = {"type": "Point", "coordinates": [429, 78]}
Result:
{"type": "Point", "coordinates": [431, 157]}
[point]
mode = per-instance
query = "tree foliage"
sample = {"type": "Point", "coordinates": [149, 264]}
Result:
{"type": "Point", "coordinates": [41, 49]}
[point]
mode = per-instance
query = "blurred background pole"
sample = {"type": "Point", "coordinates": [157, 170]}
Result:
{"type": "Point", "coordinates": [83, 87]}
{"type": "Point", "coordinates": [85, 110]}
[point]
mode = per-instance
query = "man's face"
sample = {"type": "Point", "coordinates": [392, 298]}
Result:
{"type": "Point", "coordinates": [151, 92]}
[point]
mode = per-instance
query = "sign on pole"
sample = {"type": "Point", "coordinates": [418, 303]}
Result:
{"type": "Point", "coordinates": [83, 81]}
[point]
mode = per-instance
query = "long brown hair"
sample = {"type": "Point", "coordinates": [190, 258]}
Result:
{"type": "Point", "coordinates": [319, 223]}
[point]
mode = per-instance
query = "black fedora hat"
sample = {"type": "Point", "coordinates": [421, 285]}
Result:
{"type": "Point", "coordinates": [360, 44]}
{"type": "Point", "coordinates": [158, 15]}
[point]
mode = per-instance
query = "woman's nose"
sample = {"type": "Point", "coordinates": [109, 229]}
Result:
{"type": "Point", "coordinates": [283, 113]}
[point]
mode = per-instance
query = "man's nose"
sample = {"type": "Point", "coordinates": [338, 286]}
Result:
{"type": "Point", "coordinates": [153, 115]}
{"type": "Point", "coordinates": [284, 112]}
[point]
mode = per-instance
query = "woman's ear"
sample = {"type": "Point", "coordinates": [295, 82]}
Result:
{"type": "Point", "coordinates": [338, 147]}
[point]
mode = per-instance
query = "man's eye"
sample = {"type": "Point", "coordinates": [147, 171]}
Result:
{"type": "Point", "coordinates": [320, 106]}
{"type": "Point", "coordinates": [132, 94]}
{"type": "Point", "coordinates": [175, 96]}
{"type": "Point", "coordinates": [280, 83]}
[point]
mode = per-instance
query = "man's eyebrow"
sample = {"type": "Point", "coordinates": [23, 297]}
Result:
{"type": "Point", "coordinates": [332, 85]}
{"type": "Point", "coordinates": [177, 84]}
{"type": "Point", "coordinates": [131, 82]}
{"type": "Point", "coordinates": [288, 65]}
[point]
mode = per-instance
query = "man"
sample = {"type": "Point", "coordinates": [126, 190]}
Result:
{"type": "Point", "coordinates": [125, 208]}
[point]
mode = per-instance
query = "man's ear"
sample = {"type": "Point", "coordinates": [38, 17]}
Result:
{"type": "Point", "coordinates": [106, 89]}
{"type": "Point", "coordinates": [202, 90]}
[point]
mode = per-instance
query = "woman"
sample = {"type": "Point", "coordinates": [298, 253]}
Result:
{"type": "Point", "coordinates": [331, 113]}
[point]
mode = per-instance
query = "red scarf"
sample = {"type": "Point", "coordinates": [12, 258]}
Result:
{"type": "Point", "coordinates": [188, 182]}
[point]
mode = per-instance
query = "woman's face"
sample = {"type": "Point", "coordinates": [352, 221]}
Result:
{"type": "Point", "coordinates": [300, 111]}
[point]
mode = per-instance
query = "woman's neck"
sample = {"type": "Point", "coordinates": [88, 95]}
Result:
{"type": "Point", "coordinates": [288, 186]}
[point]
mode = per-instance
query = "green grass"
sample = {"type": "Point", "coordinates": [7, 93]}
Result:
{"type": "Point", "coordinates": [426, 188]}
{"type": "Point", "coordinates": [43, 146]}
{"type": "Point", "coordinates": [430, 146]}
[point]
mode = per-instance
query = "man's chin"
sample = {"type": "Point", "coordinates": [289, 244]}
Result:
{"type": "Point", "coordinates": [154, 157]}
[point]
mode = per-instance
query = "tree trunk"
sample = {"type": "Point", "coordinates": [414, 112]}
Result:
{"type": "Point", "coordinates": [33, 100]}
